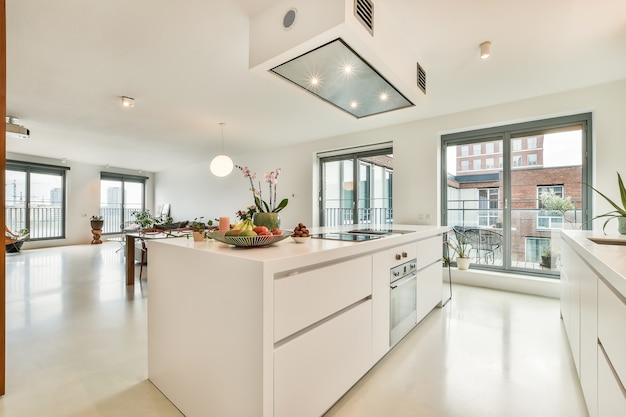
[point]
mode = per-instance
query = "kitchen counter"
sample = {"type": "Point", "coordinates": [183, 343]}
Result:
{"type": "Point", "coordinates": [281, 330]}
{"type": "Point", "coordinates": [608, 260]}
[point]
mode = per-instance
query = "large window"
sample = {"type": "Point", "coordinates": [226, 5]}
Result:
{"type": "Point", "coordinates": [522, 207]}
{"type": "Point", "coordinates": [120, 196]}
{"type": "Point", "coordinates": [35, 199]}
{"type": "Point", "coordinates": [356, 187]}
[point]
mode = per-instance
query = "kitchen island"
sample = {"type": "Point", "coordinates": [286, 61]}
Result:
{"type": "Point", "coordinates": [277, 331]}
{"type": "Point", "coordinates": [593, 308]}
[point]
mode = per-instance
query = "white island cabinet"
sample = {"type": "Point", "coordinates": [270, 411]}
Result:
{"type": "Point", "coordinates": [593, 307]}
{"type": "Point", "coordinates": [277, 331]}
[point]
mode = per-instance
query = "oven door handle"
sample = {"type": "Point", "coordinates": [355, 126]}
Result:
{"type": "Point", "coordinates": [399, 282]}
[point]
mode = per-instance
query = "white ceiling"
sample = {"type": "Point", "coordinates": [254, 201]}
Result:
{"type": "Point", "coordinates": [186, 65]}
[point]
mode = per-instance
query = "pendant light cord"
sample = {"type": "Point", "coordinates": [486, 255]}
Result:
{"type": "Point", "coordinates": [222, 129]}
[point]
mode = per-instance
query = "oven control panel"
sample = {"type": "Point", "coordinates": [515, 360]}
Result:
{"type": "Point", "coordinates": [403, 270]}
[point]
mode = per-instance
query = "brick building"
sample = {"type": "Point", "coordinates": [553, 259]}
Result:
{"type": "Point", "coordinates": [476, 198]}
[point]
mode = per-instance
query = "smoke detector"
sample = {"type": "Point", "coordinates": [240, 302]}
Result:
{"type": "Point", "coordinates": [15, 130]}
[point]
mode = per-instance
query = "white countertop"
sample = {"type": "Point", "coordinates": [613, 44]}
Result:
{"type": "Point", "coordinates": [608, 260]}
{"type": "Point", "coordinates": [287, 252]}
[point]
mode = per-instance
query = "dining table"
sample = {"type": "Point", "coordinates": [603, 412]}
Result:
{"type": "Point", "coordinates": [145, 235]}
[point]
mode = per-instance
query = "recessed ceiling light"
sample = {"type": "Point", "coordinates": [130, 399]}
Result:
{"type": "Point", "coordinates": [128, 102]}
{"type": "Point", "coordinates": [485, 49]}
{"type": "Point", "coordinates": [354, 104]}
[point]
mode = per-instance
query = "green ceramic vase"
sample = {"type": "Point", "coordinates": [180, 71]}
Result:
{"type": "Point", "coordinates": [621, 225]}
{"type": "Point", "coordinates": [269, 220]}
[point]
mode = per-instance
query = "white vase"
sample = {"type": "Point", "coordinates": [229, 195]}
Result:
{"type": "Point", "coordinates": [463, 263]}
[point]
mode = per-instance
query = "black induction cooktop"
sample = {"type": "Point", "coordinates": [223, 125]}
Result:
{"type": "Point", "coordinates": [350, 237]}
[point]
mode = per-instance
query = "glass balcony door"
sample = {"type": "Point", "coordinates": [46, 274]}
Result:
{"type": "Point", "coordinates": [356, 188]}
{"type": "Point", "coordinates": [509, 191]}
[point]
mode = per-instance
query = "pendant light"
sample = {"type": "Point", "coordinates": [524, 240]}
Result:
{"type": "Point", "coordinates": [221, 165]}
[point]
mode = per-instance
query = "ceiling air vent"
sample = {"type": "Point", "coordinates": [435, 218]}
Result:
{"type": "Point", "coordinates": [421, 78]}
{"type": "Point", "coordinates": [364, 12]}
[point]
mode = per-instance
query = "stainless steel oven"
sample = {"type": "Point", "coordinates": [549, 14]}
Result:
{"type": "Point", "coordinates": [403, 313]}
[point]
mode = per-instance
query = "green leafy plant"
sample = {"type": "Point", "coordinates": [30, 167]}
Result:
{"type": "Point", "coordinates": [554, 203]}
{"type": "Point", "coordinates": [145, 219]}
{"type": "Point", "coordinates": [197, 224]}
{"type": "Point", "coordinates": [460, 246]}
{"type": "Point", "coordinates": [619, 211]}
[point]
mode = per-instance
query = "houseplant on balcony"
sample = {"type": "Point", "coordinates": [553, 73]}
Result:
{"type": "Point", "coordinates": [266, 211]}
{"type": "Point", "coordinates": [461, 247]}
{"type": "Point", "coordinates": [548, 257]}
{"type": "Point", "coordinates": [619, 213]}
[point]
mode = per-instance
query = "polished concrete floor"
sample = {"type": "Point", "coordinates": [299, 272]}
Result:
{"type": "Point", "coordinates": [76, 346]}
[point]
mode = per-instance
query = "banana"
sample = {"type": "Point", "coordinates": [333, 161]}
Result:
{"type": "Point", "coordinates": [247, 224]}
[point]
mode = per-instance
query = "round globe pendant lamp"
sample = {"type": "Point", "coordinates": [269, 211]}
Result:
{"type": "Point", "coordinates": [221, 165]}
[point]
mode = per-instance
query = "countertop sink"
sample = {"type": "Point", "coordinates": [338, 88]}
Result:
{"type": "Point", "coordinates": [608, 241]}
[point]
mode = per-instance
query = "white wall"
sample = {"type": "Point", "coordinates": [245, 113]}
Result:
{"type": "Point", "coordinates": [193, 191]}
{"type": "Point", "coordinates": [82, 198]}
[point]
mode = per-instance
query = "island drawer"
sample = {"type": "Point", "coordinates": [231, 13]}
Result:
{"type": "Point", "coordinates": [428, 251]}
{"type": "Point", "coordinates": [316, 368]}
{"type": "Point", "coordinates": [611, 325]}
{"type": "Point", "coordinates": [304, 298]}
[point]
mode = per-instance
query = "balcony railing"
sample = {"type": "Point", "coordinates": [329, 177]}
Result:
{"type": "Point", "coordinates": [345, 216]}
{"type": "Point", "coordinates": [532, 231]}
{"type": "Point", "coordinates": [45, 222]}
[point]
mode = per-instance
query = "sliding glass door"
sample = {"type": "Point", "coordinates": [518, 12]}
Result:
{"type": "Point", "coordinates": [510, 190]}
{"type": "Point", "coordinates": [35, 199]}
{"type": "Point", "coordinates": [356, 188]}
{"type": "Point", "coordinates": [120, 196]}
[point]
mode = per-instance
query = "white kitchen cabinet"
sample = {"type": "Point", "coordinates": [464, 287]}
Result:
{"type": "Point", "coordinates": [612, 329]}
{"type": "Point", "coordinates": [611, 391]}
{"type": "Point", "coordinates": [429, 281]}
{"type": "Point", "coordinates": [580, 315]}
{"type": "Point", "coordinates": [314, 369]}
{"type": "Point", "coordinates": [302, 298]}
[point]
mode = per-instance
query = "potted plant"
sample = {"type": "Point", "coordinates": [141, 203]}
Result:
{"type": "Point", "coordinates": [265, 212]}
{"type": "Point", "coordinates": [144, 219]}
{"type": "Point", "coordinates": [619, 213]}
{"type": "Point", "coordinates": [198, 226]}
{"type": "Point", "coordinates": [96, 222]}
{"type": "Point", "coordinates": [461, 247]}
{"type": "Point", "coordinates": [548, 257]}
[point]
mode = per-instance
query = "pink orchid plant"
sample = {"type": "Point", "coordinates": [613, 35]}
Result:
{"type": "Point", "coordinates": [272, 179]}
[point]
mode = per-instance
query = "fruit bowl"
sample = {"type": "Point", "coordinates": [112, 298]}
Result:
{"type": "Point", "coordinates": [301, 239]}
{"type": "Point", "coordinates": [249, 241]}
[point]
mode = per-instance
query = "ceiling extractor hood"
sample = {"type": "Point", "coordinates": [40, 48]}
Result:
{"type": "Point", "coordinates": [14, 130]}
{"type": "Point", "coordinates": [346, 52]}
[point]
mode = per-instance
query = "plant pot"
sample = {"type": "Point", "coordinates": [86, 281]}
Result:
{"type": "Point", "coordinates": [463, 263]}
{"type": "Point", "coordinates": [269, 220]}
{"type": "Point", "coordinates": [198, 236]}
{"type": "Point", "coordinates": [548, 261]}
{"type": "Point", "coordinates": [621, 225]}
{"type": "Point", "coordinates": [97, 224]}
